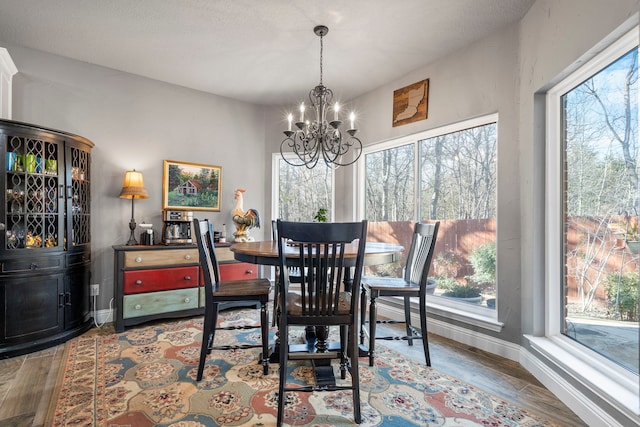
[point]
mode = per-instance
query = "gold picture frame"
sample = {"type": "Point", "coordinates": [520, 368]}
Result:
{"type": "Point", "coordinates": [410, 103]}
{"type": "Point", "coordinates": [191, 186]}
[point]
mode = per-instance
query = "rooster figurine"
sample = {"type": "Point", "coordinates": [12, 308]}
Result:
{"type": "Point", "coordinates": [244, 220]}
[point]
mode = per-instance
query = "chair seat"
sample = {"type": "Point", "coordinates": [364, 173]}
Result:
{"type": "Point", "coordinates": [243, 288]}
{"type": "Point", "coordinates": [294, 303]}
{"type": "Point", "coordinates": [397, 284]}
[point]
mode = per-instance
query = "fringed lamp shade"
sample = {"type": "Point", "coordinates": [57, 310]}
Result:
{"type": "Point", "coordinates": [133, 188]}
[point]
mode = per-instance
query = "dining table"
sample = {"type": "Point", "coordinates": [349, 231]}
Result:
{"type": "Point", "coordinates": [266, 253]}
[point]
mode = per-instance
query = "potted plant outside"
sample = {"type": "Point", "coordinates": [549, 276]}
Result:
{"type": "Point", "coordinates": [632, 233]}
{"type": "Point", "coordinates": [464, 293]}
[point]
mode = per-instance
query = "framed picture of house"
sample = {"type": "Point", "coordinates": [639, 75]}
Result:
{"type": "Point", "coordinates": [191, 186]}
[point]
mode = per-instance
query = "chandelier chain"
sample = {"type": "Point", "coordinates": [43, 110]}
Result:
{"type": "Point", "coordinates": [321, 49]}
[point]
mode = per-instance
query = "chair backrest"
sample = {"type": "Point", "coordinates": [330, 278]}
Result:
{"type": "Point", "coordinates": [423, 243]}
{"type": "Point", "coordinates": [318, 249]}
{"type": "Point", "coordinates": [207, 253]}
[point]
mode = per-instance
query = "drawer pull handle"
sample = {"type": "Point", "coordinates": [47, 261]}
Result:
{"type": "Point", "coordinates": [138, 259]}
{"type": "Point", "coordinates": [187, 277]}
{"type": "Point", "coordinates": [187, 257]}
{"type": "Point", "coordinates": [138, 307]}
{"type": "Point", "coordinates": [138, 282]}
{"type": "Point", "coordinates": [187, 299]}
{"type": "Point", "coordinates": [249, 271]}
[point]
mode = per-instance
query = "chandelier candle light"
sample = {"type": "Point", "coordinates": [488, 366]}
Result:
{"type": "Point", "coordinates": [320, 137]}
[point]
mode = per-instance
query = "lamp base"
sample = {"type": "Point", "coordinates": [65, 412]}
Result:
{"type": "Point", "coordinates": [132, 238]}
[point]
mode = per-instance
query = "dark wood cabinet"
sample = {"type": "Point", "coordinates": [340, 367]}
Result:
{"type": "Point", "coordinates": [45, 237]}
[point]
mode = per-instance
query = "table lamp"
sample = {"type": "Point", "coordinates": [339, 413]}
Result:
{"type": "Point", "coordinates": [133, 188]}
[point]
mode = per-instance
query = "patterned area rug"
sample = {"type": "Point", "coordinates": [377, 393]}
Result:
{"type": "Point", "coordinates": [146, 376]}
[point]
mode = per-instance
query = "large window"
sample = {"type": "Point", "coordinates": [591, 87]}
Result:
{"type": "Point", "coordinates": [594, 205]}
{"type": "Point", "coordinates": [301, 192]}
{"type": "Point", "coordinates": [446, 175]}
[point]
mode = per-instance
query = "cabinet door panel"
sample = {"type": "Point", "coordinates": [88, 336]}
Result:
{"type": "Point", "coordinates": [32, 307]}
{"type": "Point", "coordinates": [77, 304]}
{"type": "Point", "coordinates": [162, 279]}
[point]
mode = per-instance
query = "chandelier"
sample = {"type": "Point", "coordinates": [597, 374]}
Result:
{"type": "Point", "coordinates": [312, 139]}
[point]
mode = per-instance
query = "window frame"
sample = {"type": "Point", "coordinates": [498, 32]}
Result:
{"type": "Point", "coordinates": [476, 315]}
{"type": "Point", "coordinates": [275, 185]}
{"type": "Point", "coordinates": [607, 378]}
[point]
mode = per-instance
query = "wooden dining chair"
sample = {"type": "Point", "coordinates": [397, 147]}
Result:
{"type": "Point", "coordinates": [412, 284]}
{"type": "Point", "coordinates": [217, 291]}
{"type": "Point", "coordinates": [318, 249]}
{"type": "Point", "coordinates": [294, 274]}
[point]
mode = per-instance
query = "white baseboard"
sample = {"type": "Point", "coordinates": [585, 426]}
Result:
{"type": "Point", "coordinates": [103, 316]}
{"type": "Point", "coordinates": [577, 402]}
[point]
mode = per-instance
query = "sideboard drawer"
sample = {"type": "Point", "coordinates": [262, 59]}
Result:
{"type": "Point", "coordinates": [162, 279]}
{"type": "Point", "coordinates": [154, 258]}
{"type": "Point", "coordinates": [238, 271]}
{"type": "Point", "coordinates": [223, 253]}
{"type": "Point", "coordinates": [159, 302]}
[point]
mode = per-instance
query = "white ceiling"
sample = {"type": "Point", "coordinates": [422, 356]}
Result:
{"type": "Point", "coordinates": [260, 51]}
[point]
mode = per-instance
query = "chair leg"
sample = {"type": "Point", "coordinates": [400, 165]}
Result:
{"type": "Point", "coordinates": [363, 313]}
{"type": "Point", "coordinates": [373, 315]}
{"type": "Point", "coordinates": [345, 347]}
{"type": "Point", "coordinates": [264, 328]}
{"type": "Point", "coordinates": [207, 340]}
{"type": "Point", "coordinates": [284, 347]}
{"type": "Point", "coordinates": [355, 373]}
{"type": "Point", "coordinates": [407, 319]}
{"type": "Point", "coordinates": [423, 329]}
{"type": "Point", "coordinates": [214, 326]}
{"type": "Point", "coordinates": [275, 298]}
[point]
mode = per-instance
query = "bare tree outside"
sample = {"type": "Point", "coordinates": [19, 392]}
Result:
{"type": "Point", "coordinates": [601, 202]}
{"type": "Point", "coordinates": [456, 184]}
{"type": "Point", "coordinates": [303, 191]}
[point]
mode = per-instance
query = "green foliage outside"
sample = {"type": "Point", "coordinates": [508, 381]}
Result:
{"type": "Point", "coordinates": [622, 294]}
{"type": "Point", "coordinates": [446, 282]}
{"type": "Point", "coordinates": [483, 260]}
{"type": "Point", "coordinates": [462, 291]}
{"type": "Point", "coordinates": [321, 215]}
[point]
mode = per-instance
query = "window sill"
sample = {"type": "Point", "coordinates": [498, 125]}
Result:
{"type": "Point", "coordinates": [471, 314]}
{"type": "Point", "coordinates": [610, 382]}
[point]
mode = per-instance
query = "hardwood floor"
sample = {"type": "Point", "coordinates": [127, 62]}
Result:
{"type": "Point", "coordinates": [26, 382]}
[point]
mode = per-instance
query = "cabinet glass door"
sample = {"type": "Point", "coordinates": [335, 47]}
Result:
{"type": "Point", "coordinates": [33, 206]}
{"type": "Point", "coordinates": [79, 196]}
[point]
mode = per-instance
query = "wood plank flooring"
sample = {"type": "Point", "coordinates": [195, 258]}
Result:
{"type": "Point", "coordinates": [26, 382]}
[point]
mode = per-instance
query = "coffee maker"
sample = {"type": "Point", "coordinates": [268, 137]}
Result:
{"type": "Point", "coordinates": [177, 227]}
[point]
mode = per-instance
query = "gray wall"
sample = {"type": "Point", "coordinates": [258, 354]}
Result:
{"type": "Point", "coordinates": [137, 123]}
